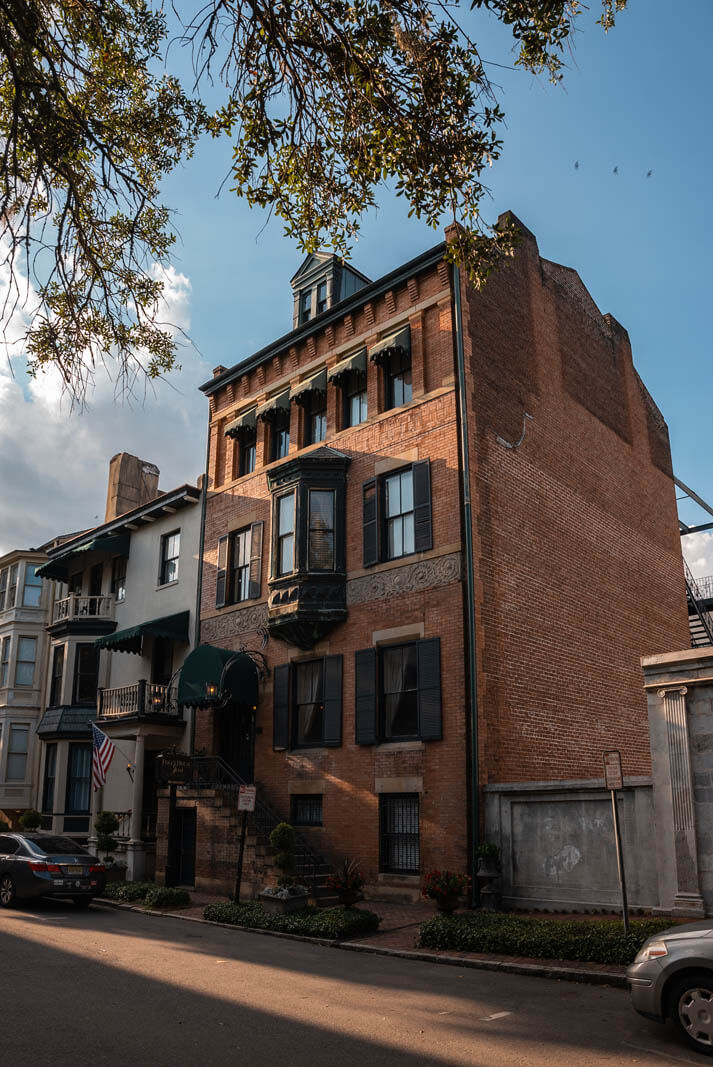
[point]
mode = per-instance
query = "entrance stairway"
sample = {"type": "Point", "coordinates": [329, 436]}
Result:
{"type": "Point", "coordinates": [311, 868]}
{"type": "Point", "coordinates": [699, 620]}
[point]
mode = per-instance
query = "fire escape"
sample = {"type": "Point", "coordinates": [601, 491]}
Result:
{"type": "Point", "coordinates": [699, 591]}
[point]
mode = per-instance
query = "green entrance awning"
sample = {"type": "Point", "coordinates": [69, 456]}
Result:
{"type": "Point", "coordinates": [212, 676]}
{"type": "Point", "coordinates": [57, 568]}
{"type": "Point", "coordinates": [173, 627]}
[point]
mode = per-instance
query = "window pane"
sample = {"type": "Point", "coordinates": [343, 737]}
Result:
{"type": "Point", "coordinates": [17, 752]}
{"type": "Point", "coordinates": [32, 592]}
{"type": "Point", "coordinates": [321, 530]}
{"type": "Point", "coordinates": [26, 648]}
{"type": "Point", "coordinates": [286, 514]}
{"type": "Point", "coordinates": [318, 429]}
{"type": "Point", "coordinates": [400, 847]}
{"type": "Point", "coordinates": [406, 480]}
{"type": "Point", "coordinates": [309, 699]}
{"type": "Point", "coordinates": [24, 673]}
{"type": "Point", "coordinates": [393, 495]}
{"type": "Point", "coordinates": [282, 443]}
{"type": "Point", "coordinates": [400, 691]}
{"type": "Point", "coordinates": [287, 554]}
{"type": "Point", "coordinates": [409, 542]}
{"type": "Point", "coordinates": [80, 761]}
{"type": "Point", "coordinates": [396, 542]}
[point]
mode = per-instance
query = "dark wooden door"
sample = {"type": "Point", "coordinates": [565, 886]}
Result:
{"type": "Point", "coordinates": [235, 740]}
{"type": "Point", "coordinates": [187, 838]}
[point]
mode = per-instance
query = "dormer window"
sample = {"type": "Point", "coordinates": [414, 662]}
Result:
{"type": "Point", "coordinates": [305, 306]}
{"type": "Point", "coordinates": [321, 297]}
{"type": "Point", "coordinates": [322, 281]}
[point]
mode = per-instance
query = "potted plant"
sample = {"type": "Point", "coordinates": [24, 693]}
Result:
{"type": "Point", "coordinates": [445, 887]}
{"type": "Point", "coordinates": [488, 875]}
{"type": "Point", "coordinates": [106, 824]}
{"type": "Point", "coordinates": [347, 883]}
{"type": "Point", "coordinates": [30, 819]}
{"type": "Point", "coordinates": [286, 896]}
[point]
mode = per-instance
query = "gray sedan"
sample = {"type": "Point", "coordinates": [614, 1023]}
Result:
{"type": "Point", "coordinates": [672, 978]}
{"type": "Point", "coordinates": [44, 865]}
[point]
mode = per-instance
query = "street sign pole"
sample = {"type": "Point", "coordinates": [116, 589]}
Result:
{"type": "Point", "coordinates": [246, 803]}
{"type": "Point", "coordinates": [614, 780]}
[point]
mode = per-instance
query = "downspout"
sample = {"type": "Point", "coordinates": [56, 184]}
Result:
{"type": "Point", "coordinates": [199, 586]}
{"type": "Point", "coordinates": [471, 658]}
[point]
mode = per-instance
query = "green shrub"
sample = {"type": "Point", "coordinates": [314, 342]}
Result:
{"type": "Point", "coordinates": [106, 822]}
{"type": "Point", "coordinates": [593, 941]}
{"type": "Point", "coordinates": [30, 819]}
{"type": "Point", "coordinates": [127, 892]}
{"type": "Point", "coordinates": [331, 923]}
{"type": "Point", "coordinates": [283, 837]}
{"type": "Point", "coordinates": [162, 896]}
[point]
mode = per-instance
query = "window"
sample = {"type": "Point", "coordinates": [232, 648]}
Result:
{"type": "Point", "coordinates": [57, 676]}
{"type": "Point", "coordinates": [399, 688]}
{"type": "Point", "coordinates": [17, 753]}
{"type": "Point", "coordinates": [399, 847]}
{"type": "Point", "coordinates": [32, 589]}
{"type": "Point", "coordinates": [308, 704]}
{"type": "Point", "coordinates": [50, 774]}
{"type": "Point", "coordinates": [86, 670]}
{"type": "Point", "coordinates": [321, 297]}
{"type": "Point", "coordinates": [305, 306]}
{"type": "Point", "coordinates": [399, 515]}
{"type": "Point", "coordinates": [3, 588]}
{"type": "Point", "coordinates": [74, 587]}
{"type": "Point", "coordinates": [4, 662]}
{"type": "Point", "coordinates": [12, 587]}
{"type": "Point", "coordinates": [248, 441]}
{"type": "Point", "coordinates": [285, 534]}
{"type": "Point", "coordinates": [25, 663]}
{"type": "Point", "coordinates": [398, 692]}
{"type": "Point", "coordinates": [118, 578]}
{"type": "Point", "coordinates": [170, 547]}
{"type": "Point", "coordinates": [162, 661]}
{"type": "Point", "coordinates": [399, 388]}
{"type": "Point", "coordinates": [306, 809]}
{"type": "Point", "coordinates": [396, 514]}
{"type": "Point", "coordinates": [280, 436]}
{"type": "Point", "coordinates": [79, 769]}
{"type": "Point", "coordinates": [316, 418]}
{"type": "Point", "coordinates": [240, 565]}
{"type": "Point", "coordinates": [355, 406]}
{"type": "Point", "coordinates": [321, 530]}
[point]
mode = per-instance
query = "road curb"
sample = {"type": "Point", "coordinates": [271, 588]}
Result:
{"type": "Point", "coordinates": [534, 970]}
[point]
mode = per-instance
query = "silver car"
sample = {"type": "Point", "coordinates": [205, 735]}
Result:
{"type": "Point", "coordinates": [672, 978]}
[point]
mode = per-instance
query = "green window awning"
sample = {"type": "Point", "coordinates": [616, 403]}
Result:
{"type": "Point", "coordinates": [57, 568]}
{"type": "Point", "coordinates": [243, 423]}
{"type": "Point", "coordinates": [213, 676]}
{"type": "Point", "coordinates": [355, 364]}
{"type": "Point", "coordinates": [317, 383]}
{"type": "Point", "coordinates": [172, 627]}
{"type": "Point", "coordinates": [395, 343]}
{"type": "Point", "coordinates": [272, 407]}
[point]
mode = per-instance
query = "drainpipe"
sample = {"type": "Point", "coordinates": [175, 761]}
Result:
{"type": "Point", "coordinates": [471, 659]}
{"type": "Point", "coordinates": [199, 587]}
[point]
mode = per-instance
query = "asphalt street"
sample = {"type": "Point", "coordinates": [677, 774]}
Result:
{"type": "Point", "coordinates": [120, 988]}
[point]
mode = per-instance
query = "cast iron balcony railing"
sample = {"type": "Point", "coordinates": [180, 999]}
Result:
{"type": "Point", "coordinates": [76, 606]}
{"type": "Point", "coordinates": [705, 587]}
{"type": "Point", "coordinates": [140, 700]}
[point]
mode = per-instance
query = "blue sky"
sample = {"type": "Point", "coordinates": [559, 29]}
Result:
{"type": "Point", "coordinates": [638, 98]}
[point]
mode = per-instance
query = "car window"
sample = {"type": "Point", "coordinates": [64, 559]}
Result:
{"type": "Point", "coordinates": [8, 846]}
{"type": "Point", "coordinates": [54, 845]}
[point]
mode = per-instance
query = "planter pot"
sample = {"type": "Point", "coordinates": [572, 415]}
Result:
{"type": "Point", "coordinates": [448, 904]}
{"type": "Point", "coordinates": [491, 897]}
{"type": "Point", "coordinates": [487, 868]}
{"type": "Point", "coordinates": [349, 897]}
{"type": "Point", "coordinates": [283, 905]}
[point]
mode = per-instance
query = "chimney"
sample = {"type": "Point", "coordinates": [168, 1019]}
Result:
{"type": "Point", "coordinates": [132, 482]}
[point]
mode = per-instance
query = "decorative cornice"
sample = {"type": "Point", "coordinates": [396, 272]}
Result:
{"type": "Point", "coordinates": [411, 578]}
{"type": "Point", "coordinates": [234, 622]}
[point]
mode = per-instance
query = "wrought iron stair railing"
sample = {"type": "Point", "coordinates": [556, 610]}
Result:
{"type": "Point", "coordinates": [699, 621]}
{"type": "Point", "coordinates": [310, 867]}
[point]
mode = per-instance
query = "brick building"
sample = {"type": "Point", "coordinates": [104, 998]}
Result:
{"type": "Point", "coordinates": [418, 478]}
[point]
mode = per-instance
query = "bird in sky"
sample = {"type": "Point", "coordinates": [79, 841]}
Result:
{"type": "Point", "coordinates": [649, 173]}
{"type": "Point", "coordinates": [576, 165]}
{"type": "Point", "coordinates": [615, 171]}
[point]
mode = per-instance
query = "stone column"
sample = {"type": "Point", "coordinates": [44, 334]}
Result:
{"type": "Point", "coordinates": [688, 898]}
{"type": "Point", "coordinates": [95, 806]}
{"type": "Point", "coordinates": [135, 852]}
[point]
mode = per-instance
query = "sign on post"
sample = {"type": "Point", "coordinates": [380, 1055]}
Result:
{"type": "Point", "coordinates": [174, 768]}
{"type": "Point", "coordinates": [246, 798]}
{"type": "Point", "coordinates": [614, 780]}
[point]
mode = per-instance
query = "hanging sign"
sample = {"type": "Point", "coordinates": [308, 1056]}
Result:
{"type": "Point", "coordinates": [246, 798]}
{"type": "Point", "coordinates": [174, 767]}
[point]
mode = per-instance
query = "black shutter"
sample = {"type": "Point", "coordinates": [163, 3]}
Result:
{"type": "Point", "coordinates": [370, 519]}
{"type": "Point", "coordinates": [221, 577]}
{"type": "Point", "coordinates": [365, 732]}
{"type": "Point", "coordinates": [429, 690]}
{"type": "Point", "coordinates": [423, 533]}
{"type": "Point", "coordinates": [281, 706]}
{"type": "Point", "coordinates": [255, 561]}
{"type": "Point", "coordinates": [332, 700]}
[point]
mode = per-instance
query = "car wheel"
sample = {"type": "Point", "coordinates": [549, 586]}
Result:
{"type": "Point", "coordinates": [82, 902]}
{"type": "Point", "coordinates": [7, 891]}
{"type": "Point", "coordinates": [691, 1008]}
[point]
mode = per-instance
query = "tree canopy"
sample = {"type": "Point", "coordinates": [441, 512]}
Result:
{"type": "Point", "coordinates": [323, 100]}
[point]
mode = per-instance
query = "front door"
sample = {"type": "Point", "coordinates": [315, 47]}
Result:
{"type": "Point", "coordinates": [187, 838]}
{"type": "Point", "coordinates": [235, 740]}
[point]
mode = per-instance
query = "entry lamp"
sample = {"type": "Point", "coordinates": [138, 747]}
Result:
{"type": "Point", "coordinates": [211, 689]}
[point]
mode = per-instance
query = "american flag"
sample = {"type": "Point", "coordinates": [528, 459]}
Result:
{"type": "Point", "coordinates": [102, 752]}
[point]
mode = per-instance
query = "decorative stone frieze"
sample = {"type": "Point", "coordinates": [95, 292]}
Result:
{"type": "Point", "coordinates": [242, 621]}
{"type": "Point", "coordinates": [411, 578]}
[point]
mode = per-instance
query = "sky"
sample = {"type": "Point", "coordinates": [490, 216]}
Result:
{"type": "Point", "coordinates": [637, 99]}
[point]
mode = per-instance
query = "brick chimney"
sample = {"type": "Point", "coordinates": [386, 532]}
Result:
{"type": "Point", "coordinates": [132, 482]}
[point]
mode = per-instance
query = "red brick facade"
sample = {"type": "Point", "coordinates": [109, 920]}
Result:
{"type": "Point", "coordinates": [577, 555]}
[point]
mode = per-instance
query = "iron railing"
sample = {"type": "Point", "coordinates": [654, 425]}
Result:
{"type": "Point", "coordinates": [310, 867]}
{"type": "Point", "coordinates": [138, 700]}
{"type": "Point", "coordinates": [705, 587]}
{"type": "Point", "coordinates": [75, 606]}
{"type": "Point", "coordinates": [700, 623]}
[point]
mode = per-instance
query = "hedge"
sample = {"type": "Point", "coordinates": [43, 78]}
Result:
{"type": "Point", "coordinates": [589, 940]}
{"type": "Point", "coordinates": [331, 923]}
{"type": "Point", "coordinates": [154, 896]}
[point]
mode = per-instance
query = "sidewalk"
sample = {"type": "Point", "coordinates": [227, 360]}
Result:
{"type": "Point", "coordinates": [398, 936]}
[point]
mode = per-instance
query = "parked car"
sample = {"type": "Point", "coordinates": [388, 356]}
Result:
{"type": "Point", "coordinates": [672, 978]}
{"type": "Point", "coordinates": [47, 865]}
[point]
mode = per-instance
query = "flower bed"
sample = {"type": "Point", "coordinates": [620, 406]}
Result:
{"type": "Point", "coordinates": [332, 923]}
{"type": "Point", "coordinates": [148, 893]}
{"type": "Point", "coordinates": [593, 941]}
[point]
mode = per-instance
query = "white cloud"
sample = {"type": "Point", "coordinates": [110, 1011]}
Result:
{"type": "Point", "coordinates": [698, 550]}
{"type": "Point", "coordinates": [54, 460]}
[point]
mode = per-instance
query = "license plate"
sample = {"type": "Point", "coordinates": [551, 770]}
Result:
{"type": "Point", "coordinates": [74, 870]}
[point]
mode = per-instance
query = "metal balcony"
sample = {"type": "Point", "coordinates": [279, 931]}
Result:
{"type": "Point", "coordinates": [141, 700]}
{"type": "Point", "coordinates": [76, 606]}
